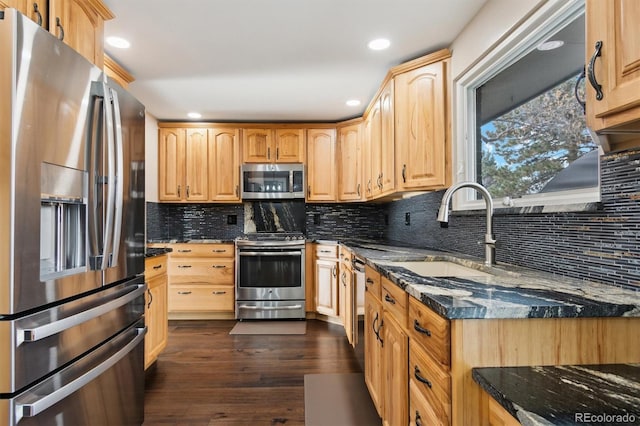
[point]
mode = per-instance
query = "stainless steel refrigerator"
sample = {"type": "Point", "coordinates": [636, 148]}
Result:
{"type": "Point", "coordinates": [71, 237]}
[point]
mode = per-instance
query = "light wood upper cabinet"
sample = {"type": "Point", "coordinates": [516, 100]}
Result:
{"type": "Point", "coordinates": [373, 125]}
{"type": "Point", "coordinates": [289, 146]}
{"type": "Point", "coordinates": [80, 23]}
{"type": "Point", "coordinates": [197, 166]}
{"type": "Point", "coordinates": [36, 10]}
{"type": "Point", "coordinates": [321, 165]}
{"type": "Point", "coordinates": [421, 128]}
{"type": "Point", "coordinates": [387, 139]}
{"type": "Point", "coordinates": [613, 31]}
{"type": "Point", "coordinates": [224, 164]}
{"type": "Point", "coordinates": [256, 145]}
{"type": "Point", "coordinates": [350, 187]}
{"type": "Point", "coordinates": [171, 171]}
{"type": "Point", "coordinates": [273, 146]}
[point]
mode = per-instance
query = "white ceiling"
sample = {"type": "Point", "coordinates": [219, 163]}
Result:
{"type": "Point", "coordinates": [272, 60]}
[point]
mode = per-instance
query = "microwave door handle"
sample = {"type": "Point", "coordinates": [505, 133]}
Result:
{"type": "Point", "coordinates": [96, 173]}
{"type": "Point", "coordinates": [32, 409]}
{"type": "Point", "coordinates": [291, 181]}
{"type": "Point", "coordinates": [118, 181]}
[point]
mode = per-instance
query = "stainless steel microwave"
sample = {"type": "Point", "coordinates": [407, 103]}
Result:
{"type": "Point", "coordinates": [272, 181]}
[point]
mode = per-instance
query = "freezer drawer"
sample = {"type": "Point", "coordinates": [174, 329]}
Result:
{"type": "Point", "coordinates": [104, 388]}
{"type": "Point", "coordinates": [42, 342]}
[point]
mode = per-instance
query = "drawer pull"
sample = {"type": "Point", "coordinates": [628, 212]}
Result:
{"type": "Point", "coordinates": [416, 374]}
{"type": "Point", "coordinates": [157, 267]}
{"type": "Point", "coordinates": [369, 281]}
{"type": "Point", "coordinates": [184, 292]}
{"type": "Point", "coordinates": [325, 251]}
{"type": "Point", "coordinates": [219, 251]}
{"type": "Point", "coordinates": [218, 266]}
{"type": "Point", "coordinates": [389, 299]}
{"type": "Point", "coordinates": [184, 251]}
{"type": "Point", "coordinates": [418, 419]}
{"type": "Point", "coordinates": [219, 292]}
{"type": "Point", "coordinates": [184, 266]}
{"type": "Point", "coordinates": [418, 328]}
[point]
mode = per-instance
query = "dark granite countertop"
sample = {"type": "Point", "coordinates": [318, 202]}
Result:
{"type": "Point", "coordinates": [194, 241]}
{"type": "Point", "coordinates": [566, 395]}
{"type": "Point", "coordinates": [153, 252]}
{"type": "Point", "coordinates": [504, 291]}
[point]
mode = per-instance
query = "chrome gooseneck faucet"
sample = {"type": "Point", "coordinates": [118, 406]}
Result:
{"type": "Point", "coordinates": [489, 241]}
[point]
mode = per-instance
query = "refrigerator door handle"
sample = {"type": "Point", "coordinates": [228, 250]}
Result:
{"type": "Point", "coordinates": [38, 333]}
{"type": "Point", "coordinates": [119, 180]}
{"type": "Point", "coordinates": [111, 175]}
{"type": "Point", "coordinates": [95, 140]}
{"type": "Point", "coordinates": [32, 409]}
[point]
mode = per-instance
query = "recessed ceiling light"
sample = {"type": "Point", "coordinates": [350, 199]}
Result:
{"type": "Point", "coordinates": [379, 44]}
{"type": "Point", "coordinates": [194, 115]}
{"type": "Point", "coordinates": [353, 102]}
{"type": "Point", "coordinates": [118, 42]}
{"type": "Point", "coordinates": [550, 45]}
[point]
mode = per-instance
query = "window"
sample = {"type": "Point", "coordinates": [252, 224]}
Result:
{"type": "Point", "coordinates": [527, 139]}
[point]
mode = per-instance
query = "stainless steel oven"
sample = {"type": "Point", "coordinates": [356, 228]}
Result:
{"type": "Point", "coordinates": [270, 275]}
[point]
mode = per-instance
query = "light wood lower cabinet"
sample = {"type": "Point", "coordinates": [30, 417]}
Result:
{"type": "Point", "coordinates": [437, 383]}
{"type": "Point", "coordinates": [326, 279]}
{"type": "Point", "coordinates": [156, 309]}
{"type": "Point", "coordinates": [201, 279]}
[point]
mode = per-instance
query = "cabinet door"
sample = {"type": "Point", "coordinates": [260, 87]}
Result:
{"type": "Point", "coordinates": [289, 146]}
{"type": "Point", "coordinates": [375, 148]}
{"type": "Point", "coordinates": [321, 169]}
{"type": "Point", "coordinates": [224, 165]}
{"type": "Point", "coordinates": [420, 127]}
{"type": "Point", "coordinates": [373, 349]}
{"type": "Point", "coordinates": [156, 319]}
{"type": "Point", "coordinates": [257, 145]}
{"type": "Point", "coordinates": [196, 166]}
{"type": "Point", "coordinates": [396, 381]}
{"type": "Point", "coordinates": [171, 157]}
{"type": "Point", "coordinates": [34, 9]}
{"type": "Point", "coordinates": [350, 164]}
{"type": "Point", "coordinates": [326, 278]}
{"type": "Point", "coordinates": [614, 23]}
{"type": "Point", "coordinates": [81, 25]}
{"type": "Point", "coordinates": [387, 140]}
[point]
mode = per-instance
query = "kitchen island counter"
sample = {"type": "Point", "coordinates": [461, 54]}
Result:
{"type": "Point", "coordinates": [570, 394]}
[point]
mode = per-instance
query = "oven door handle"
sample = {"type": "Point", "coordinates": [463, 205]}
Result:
{"type": "Point", "coordinates": [269, 308]}
{"type": "Point", "coordinates": [270, 253]}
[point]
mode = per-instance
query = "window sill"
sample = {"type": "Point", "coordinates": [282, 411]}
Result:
{"type": "Point", "coordinates": [512, 211]}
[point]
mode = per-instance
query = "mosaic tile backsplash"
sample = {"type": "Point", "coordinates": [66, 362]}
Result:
{"type": "Point", "coordinates": [602, 245]}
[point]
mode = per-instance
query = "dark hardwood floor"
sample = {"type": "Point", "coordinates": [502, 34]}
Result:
{"type": "Point", "coordinates": [207, 377]}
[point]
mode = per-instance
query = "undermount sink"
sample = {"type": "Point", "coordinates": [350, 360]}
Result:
{"type": "Point", "coordinates": [440, 269]}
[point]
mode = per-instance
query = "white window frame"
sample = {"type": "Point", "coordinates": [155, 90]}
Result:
{"type": "Point", "coordinates": [543, 23]}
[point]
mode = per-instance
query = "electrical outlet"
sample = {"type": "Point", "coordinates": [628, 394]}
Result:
{"type": "Point", "coordinates": [407, 218]}
{"type": "Point", "coordinates": [232, 219]}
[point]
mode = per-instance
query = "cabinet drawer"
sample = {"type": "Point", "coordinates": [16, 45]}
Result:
{"type": "Point", "coordinates": [431, 330]}
{"type": "Point", "coordinates": [202, 250]}
{"type": "Point", "coordinates": [345, 254]}
{"type": "Point", "coordinates": [432, 381]}
{"type": "Point", "coordinates": [154, 266]}
{"type": "Point", "coordinates": [326, 251]}
{"type": "Point", "coordinates": [201, 298]}
{"type": "Point", "coordinates": [420, 412]}
{"type": "Point", "coordinates": [394, 300]}
{"type": "Point", "coordinates": [372, 281]}
{"type": "Point", "coordinates": [212, 271]}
